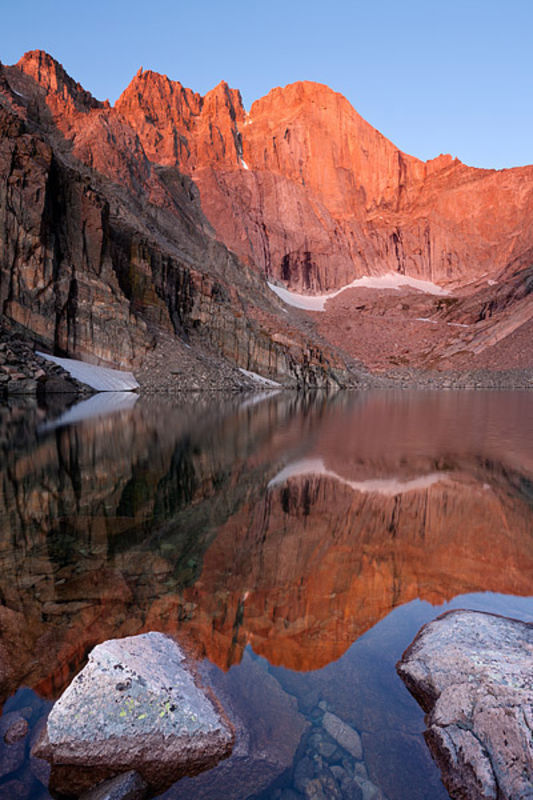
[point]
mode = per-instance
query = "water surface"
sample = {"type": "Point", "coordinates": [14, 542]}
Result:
{"type": "Point", "coordinates": [295, 543]}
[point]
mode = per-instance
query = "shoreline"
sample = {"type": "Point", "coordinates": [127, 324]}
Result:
{"type": "Point", "coordinates": [174, 368]}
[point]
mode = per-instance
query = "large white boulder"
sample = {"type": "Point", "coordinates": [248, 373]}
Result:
{"type": "Point", "coordinates": [137, 706]}
{"type": "Point", "coordinates": [472, 673]}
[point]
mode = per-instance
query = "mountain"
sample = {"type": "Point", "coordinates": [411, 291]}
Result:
{"type": "Point", "coordinates": [166, 213]}
{"type": "Point", "coordinates": [109, 257]}
{"type": "Point", "coordinates": [308, 191]}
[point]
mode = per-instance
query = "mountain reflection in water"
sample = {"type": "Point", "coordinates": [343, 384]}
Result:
{"type": "Point", "coordinates": [270, 536]}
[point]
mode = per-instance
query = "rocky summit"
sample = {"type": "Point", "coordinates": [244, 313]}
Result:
{"type": "Point", "coordinates": [472, 673]}
{"type": "Point", "coordinates": [157, 224]}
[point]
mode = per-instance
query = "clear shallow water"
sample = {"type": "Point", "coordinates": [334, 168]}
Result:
{"type": "Point", "coordinates": [296, 543]}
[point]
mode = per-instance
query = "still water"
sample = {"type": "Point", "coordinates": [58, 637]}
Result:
{"type": "Point", "coordinates": [295, 543]}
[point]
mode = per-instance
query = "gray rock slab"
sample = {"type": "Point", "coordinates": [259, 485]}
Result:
{"type": "Point", "coordinates": [472, 673]}
{"type": "Point", "coordinates": [136, 706]}
{"type": "Point", "coordinates": [347, 737]}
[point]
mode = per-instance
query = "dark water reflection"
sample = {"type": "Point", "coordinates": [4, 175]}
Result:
{"type": "Point", "coordinates": [297, 543]}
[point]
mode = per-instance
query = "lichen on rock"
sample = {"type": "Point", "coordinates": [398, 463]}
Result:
{"type": "Point", "coordinates": [136, 705]}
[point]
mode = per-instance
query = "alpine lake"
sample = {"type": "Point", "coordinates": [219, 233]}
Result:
{"type": "Point", "coordinates": [295, 543]}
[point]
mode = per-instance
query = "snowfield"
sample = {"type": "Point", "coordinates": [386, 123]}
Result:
{"type": "Point", "coordinates": [103, 379]}
{"type": "Point", "coordinates": [391, 280]}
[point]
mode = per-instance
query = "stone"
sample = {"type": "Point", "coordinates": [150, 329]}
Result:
{"type": "Point", "coordinates": [303, 773]}
{"type": "Point", "coordinates": [339, 773]}
{"type": "Point", "coordinates": [326, 749]}
{"type": "Point", "coordinates": [13, 730]}
{"type": "Point", "coordinates": [367, 789]}
{"type": "Point", "coordinates": [472, 674]}
{"type": "Point", "coordinates": [135, 706]}
{"type": "Point", "coordinates": [16, 731]}
{"type": "Point", "coordinates": [323, 787]}
{"type": "Point", "coordinates": [344, 735]}
{"type": "Point", "coordinates": [128, 786]}
{"type": "Point", "coordinates": [39, 767]}
{"type": "Point", "coordinates": [351, 790]}
{"type": "Point", "coordinates": [288, 794]}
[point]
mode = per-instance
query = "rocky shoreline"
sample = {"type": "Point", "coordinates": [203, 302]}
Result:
{"type": "Point", "coordinates": [142, 715]}
{"type": "Point", "coordinates": [23, 372]}
{"type": "Point", "coordinates": [174, 367]}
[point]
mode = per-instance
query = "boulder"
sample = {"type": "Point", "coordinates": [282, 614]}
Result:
{"type": "Point", "coordinates": [135, 706]}
{"type": "Point", "coordinates": [472, 673]}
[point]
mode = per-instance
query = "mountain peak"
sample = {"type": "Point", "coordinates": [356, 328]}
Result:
{"type": "Point", "coordinates": [180, 127]}
{"type": "Point", "coordinates": [51, 76]}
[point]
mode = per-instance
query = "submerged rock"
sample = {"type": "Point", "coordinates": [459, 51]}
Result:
{"type": "Point", "coordinates": [13, 730]}
{"type": "Point", "coordinates": [128, 786]}
{"type": "Point", "coordinates": [135, 706]}
{"type": "Point", "coordinates": [472, 673]}
{"type": "Point", "coordinates": [347, 737]}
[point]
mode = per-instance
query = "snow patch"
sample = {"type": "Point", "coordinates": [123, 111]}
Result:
{"type": "Point", "coordinates": [259, 378]}
{"type": "Point", "coordinates": [436, 322]}
{"type": "Point", "coordinates": [391, 280]}
{"type": "Point", "coordinates": [305, 301]}
{"type": "Point", "coordinates": [103, 379]}
{"type": "Point", "coordinates": [99, 405]}
{"type": "Point", "coordinates": [492, 283]}
{"type": "Point", "coordinates": [385, 486]}
{"type": "Point", "coordinates": [244, 164]}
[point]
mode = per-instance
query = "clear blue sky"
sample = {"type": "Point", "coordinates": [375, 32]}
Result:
{"type": "Point", "coordinates": [432, 76]}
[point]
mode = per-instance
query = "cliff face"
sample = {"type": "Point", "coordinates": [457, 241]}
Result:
{"type": "Point", "coordinates": [166, 212]}
{"type": "Point", "coordinates": [310, 193]}
{"type": "Point", "coordinates": [102, 250]}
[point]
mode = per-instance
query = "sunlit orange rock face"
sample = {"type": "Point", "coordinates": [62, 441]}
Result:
{"type": "Point", "coordinates": [303, 575]}
{"type": "Point", "coordinates": [307, 190]}
{"type": "Point", "coordinates": [301, 186]}
{"type": "Point", "coordinates": [400, 499]}
{"type": "Point", "coordinates": [104, 253]}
